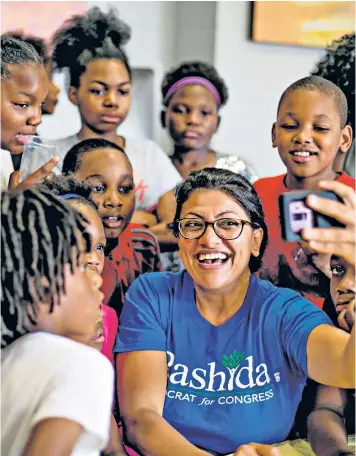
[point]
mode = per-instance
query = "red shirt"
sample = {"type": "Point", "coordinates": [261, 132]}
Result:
{"type": "Point", "coordinates": [279, 265]}
{"type": "Point", "coordinates": [136, 254]}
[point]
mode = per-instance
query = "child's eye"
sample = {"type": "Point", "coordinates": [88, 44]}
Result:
{"type": "Point", "coordinates": [126, 189]}
{"type": "Point", "coordinates": [98, 188]}
{"type": "Point", "coordinates": [337, 270]}
{"type": "Point", "coordinates": [96, 91]}
{"type": "Point", "coordinates": [288, 126]}
{"type": "Point", "coordinates": [206, 113]}
{"type": "Point", "coordinates": [319, 128]}
{"type": "Point", "coordinates": [124, 93]}
{"type": "Point", "coordinates": [100, 247]}
{"type": "Point", "coordinates": [179, 110]}
{"type": "Point", "coordinates": [22, 105]}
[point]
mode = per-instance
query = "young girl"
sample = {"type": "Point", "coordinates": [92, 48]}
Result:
{"type": "Point", "coordinates": [90, 47]}
{"type": "Point", "coordinates": [131, 250]}
{"type": "Point", "coordinates": [24, 87]}
{"type": "Point", "coordinates": [56, 392]}
{"type": "Point", "coordinates": [77, 194]}
{"type": "Point", "coordinates": [192, 95]}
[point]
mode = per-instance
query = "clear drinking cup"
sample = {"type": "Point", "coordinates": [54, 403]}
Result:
{"type": "Point", "coordinates": [36, 154]}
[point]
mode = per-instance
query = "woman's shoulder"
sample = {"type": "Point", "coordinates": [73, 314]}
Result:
{"type": "Point", "coordinates": [160, 282]}
{"type": "Point", "coordinates": [266, 292]}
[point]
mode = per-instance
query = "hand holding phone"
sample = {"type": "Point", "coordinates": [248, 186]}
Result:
{"type": "Point", "coordinates": [296, 215]}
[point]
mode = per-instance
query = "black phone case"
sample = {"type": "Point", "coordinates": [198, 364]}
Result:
{"type": "Point", "coordinates": [319, 220]}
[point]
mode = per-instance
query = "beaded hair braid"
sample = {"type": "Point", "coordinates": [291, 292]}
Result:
{"type": "Point", "coordinates": [40, 234]}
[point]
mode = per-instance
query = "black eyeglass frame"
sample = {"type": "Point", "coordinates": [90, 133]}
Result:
{"type": "Point", "coordinates": [243, 223]}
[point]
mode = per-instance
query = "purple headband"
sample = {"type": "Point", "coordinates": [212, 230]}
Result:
{"type": "Point", "coordinates": [193, 80]}
{"type": "Point", "coordinates": [68, 196]}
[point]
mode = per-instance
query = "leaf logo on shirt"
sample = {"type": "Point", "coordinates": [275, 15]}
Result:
{"type": "Point", "coordinates": [232, 361]}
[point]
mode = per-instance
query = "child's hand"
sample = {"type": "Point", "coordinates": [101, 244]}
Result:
{"type": "Point", "coordinates": [35, 178]}
{"type": "Point", "coordinates": [334, 241]}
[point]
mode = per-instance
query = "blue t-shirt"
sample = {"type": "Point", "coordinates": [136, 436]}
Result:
{"type": "Point", "coordinates": [228, 385]}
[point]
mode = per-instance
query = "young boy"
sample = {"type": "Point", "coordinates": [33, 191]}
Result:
{"type": "Point", "coordinates": [130, 250]}
{"type": "Point", "coordinates": [310, 130]}
{"type": "Point", "coordinates": [333, 417]}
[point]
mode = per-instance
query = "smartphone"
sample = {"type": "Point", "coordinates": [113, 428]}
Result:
{"type": "Point", "coordinates": [36, 154]}
{"type": "Point", "coordinates": [295, 215]}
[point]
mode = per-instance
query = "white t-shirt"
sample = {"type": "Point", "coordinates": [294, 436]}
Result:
{"type": "Point", "coordinates": [154, 173]}
{"type": "Point", "coordinates": [6, 168]}
{"type": "Point", "coordinates": [48, 376]}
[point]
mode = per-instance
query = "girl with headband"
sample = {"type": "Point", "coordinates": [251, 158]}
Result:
{"type": "Point", "coordinates": [192, 95]}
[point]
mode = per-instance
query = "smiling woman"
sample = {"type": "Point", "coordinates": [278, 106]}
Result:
{"type": "Point", "coordinates": [228, 339]}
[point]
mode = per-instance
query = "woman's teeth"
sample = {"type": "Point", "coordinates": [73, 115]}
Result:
{"type": "Point", "coordinates": [210, 258]}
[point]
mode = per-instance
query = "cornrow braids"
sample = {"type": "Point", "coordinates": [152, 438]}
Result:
{"type": "Point", "coordinates": [338, 66]}
{"type": "Point", "coordinates": [65, 185]}
{"type": "Point", "coordinates": [84, 38]}
{"type": "Point", "coordinates": [38, 43]}
{"type": "Point", "coordinates": [40, 234]}
{"type": "Point", "coordinates": [199, 69]}
{"type": "Point", "coordinates": [16, 52]}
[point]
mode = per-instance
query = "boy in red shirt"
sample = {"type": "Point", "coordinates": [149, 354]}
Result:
{"type": "Point", "coordinates": [310, 130]}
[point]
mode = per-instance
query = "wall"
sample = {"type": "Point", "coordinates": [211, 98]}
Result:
{"type": "Point", "coordinates": [256, 75]}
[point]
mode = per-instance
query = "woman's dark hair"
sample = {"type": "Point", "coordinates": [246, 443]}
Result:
{"type": "Point", "coordinates": [236, 187]}
{"type": "Point", "coordinates": [338, 66]}
{"type": "Point", "coordinates": [83, 38]}
{"type": "Point", "coordinates": [16, 52]}
{"type": "Point", "coordinates": [67, 185]}
{"type": "Point", "coordinates": [74, 156]}
{"type": "Point", "coordinates": [199, 69]}
{"type": "Point", "coordinates": [39, 235]}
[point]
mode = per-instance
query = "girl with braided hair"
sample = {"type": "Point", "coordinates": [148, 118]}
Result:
{"type": "Point", "coordinates": [90, 47]}
{"type": "Point", "coordinates": [50, 304]}
{"type": "Point", "coordinates": [24, 87]}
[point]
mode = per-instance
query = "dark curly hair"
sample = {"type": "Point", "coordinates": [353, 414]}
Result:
{"type": "Point", "coordinates": [338, 66]}
{"type": "Point", "coordinates": [200, 69]}
{"type": "Point", "coordinates": [318, 84]}
{"type": "Point", "coordinates": [236, 187]}
{"type": "Point", "coordinates": [68, 185]}
{"type": "Point", "coordinates": [16, 52]}
{"type": "Point", "coordinates": [83, 38]}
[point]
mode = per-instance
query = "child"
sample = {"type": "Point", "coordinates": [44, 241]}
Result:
{"type": "Point", "coordinates": [334, 409]}
{"type": "Point", "coordinates": [193, 95]}
{"type": "Point", "coordinates": [90, 47]}
{"type": "Point", "coordinates": [77, 194]}
{"type": "Point", "coordinates": [131, 250]}
{"type": "Point", "coordinates": [56, 392]}
{"type": "Point", "coordinates": [310, 130]}
{"type": "Point", "coordinates": [24, 87]}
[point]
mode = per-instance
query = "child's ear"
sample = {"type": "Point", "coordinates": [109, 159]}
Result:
{"type": "Point", "coordinates": [346, 139]}
{"type": "Point", "coordinates": [163, 119]}
{"type": "Point", "coordinates": [72, 95]}
{"type": "Point", "coordinates": [273, 133]}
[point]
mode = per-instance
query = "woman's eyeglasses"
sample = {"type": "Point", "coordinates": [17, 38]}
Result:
{"type": "Point", "coordinates": [225, 228]}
